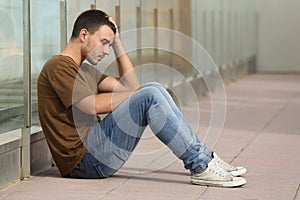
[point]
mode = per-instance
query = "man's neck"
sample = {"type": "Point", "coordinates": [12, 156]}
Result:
{"type": "Point", "coordinates": [73, 50]}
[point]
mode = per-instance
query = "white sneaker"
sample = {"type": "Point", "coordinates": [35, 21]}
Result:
{"type": "Point", "coordinates": [214, 175]}
{"type": "Point", "coordinates": [234, 171]}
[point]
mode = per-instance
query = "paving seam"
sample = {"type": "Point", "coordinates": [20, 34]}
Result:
{"type": "Point", "coordinates": [201, 194]}
{"type": "Point", "coordinates": [113, 189]}
{"type": "Point", "coordinates": [266, 124]}
{"type": "Point", "coordinates": [297, 191]}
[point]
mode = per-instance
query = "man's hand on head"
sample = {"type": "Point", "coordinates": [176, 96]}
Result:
{"type": "Point", "coordinates": [113, 21]}
{"type": "Point", "coordinates": [117, 41]}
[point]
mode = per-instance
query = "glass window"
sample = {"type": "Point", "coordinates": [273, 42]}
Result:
{"type": "Point", "coordinates": [11, 65]}
{"type": "Point", "coordinates": [45, 42]}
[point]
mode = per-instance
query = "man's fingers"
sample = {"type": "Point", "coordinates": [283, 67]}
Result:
{"type": "Point", "coordinates": [112, 21]}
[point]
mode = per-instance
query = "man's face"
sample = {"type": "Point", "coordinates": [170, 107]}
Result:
{"type": "Point", "coordinates": [98, 44]}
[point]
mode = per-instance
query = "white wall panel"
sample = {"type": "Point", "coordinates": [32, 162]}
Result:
{"type": "Point", "coordinates": [74, 8]}
{"type": "Point", "coordinates": [128, 14]}
{"type": "Point", "coordinates": [222, 27]}
{"type": "Point", "coordinates": [278, 36]}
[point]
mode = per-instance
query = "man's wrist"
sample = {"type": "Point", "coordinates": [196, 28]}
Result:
{"type": "Point", "coordinates": [118, 47]}
{"type": "Point", "coordinates": [117, 41]}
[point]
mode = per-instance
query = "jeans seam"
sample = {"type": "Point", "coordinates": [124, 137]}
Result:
{"type": "Point", "coordinates": [99, 171]}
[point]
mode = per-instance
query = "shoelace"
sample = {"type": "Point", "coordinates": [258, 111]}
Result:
{"type": "Point", "coordinates": [224, 164]}
{"type": "Point", "coordinates": [216, 169]}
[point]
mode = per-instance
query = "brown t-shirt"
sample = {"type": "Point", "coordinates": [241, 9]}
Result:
{"type": "Point", "coordinates": [62, 83]}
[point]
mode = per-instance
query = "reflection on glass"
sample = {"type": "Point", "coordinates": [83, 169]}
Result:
{"type": "Point", "coordinates": [11, 76]}
{"type": "Point", "coordinates": [11, 53]}
{"type": "Point", "coordinates": [45, 42]}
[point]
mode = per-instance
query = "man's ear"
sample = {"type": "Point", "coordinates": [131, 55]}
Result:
{"type": "Point", "coordinates": [83, 34]}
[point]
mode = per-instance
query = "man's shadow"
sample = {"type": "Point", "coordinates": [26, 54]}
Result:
{"type": "Point", "coordinates": [171, 178]}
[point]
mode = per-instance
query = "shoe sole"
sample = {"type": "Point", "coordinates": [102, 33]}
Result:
{"type": "Point", "coordinates": [236, 182]}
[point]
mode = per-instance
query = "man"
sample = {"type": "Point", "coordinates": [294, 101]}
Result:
{"type": "Point", "coordinates": [72, 93]}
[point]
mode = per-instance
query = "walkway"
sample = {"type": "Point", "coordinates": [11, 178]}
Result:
{"type": "Point", "coordinates": [261, 132]}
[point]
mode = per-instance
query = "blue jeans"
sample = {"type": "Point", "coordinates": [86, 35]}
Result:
{"type": "Point", "coordinates": [112, 140]}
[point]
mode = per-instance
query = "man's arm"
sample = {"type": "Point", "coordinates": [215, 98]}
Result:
{"type": "Point", "coordinates": [127, 80]}
{"type": "Point", "coordinates": [113, 91]}
{"type": "Point", "coordinates": [102, 103]}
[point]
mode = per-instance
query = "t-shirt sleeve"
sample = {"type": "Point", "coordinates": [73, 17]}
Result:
{"type": "Point", "coordinates": [86, 83]}
{"type": "Point", "coordinates": [63, 83]}
{"type": "Point", "coordinates": [74, 84]}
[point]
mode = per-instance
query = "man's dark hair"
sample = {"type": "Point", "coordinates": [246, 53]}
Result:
{"type": "Point", "coordinates": [91, 20]}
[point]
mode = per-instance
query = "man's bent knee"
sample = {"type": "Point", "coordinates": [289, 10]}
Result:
{"type": "Point", "coordinates": [153, 84]}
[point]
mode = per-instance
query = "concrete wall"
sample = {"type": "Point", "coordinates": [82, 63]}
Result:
{"type": "Point", "coordinates": [278, 36]}
{"type": "Point", "coordinates": [10, 150]}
